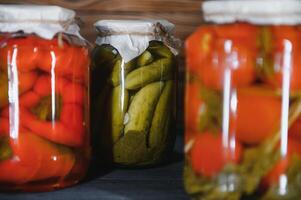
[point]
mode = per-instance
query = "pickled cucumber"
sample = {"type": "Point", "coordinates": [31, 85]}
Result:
{"type": "Point", "coordinates": [104, 54]}
{"type": "Point", "coordinates": [155, 71]}
{"type": "Point", "coordinates": [160, 50]}
{"type": "Point", "coordinates": [121, 70]}
{"type": "Point", "coordinates": [120, 99]}
{"type": "Point", "coordinates": [145, 58]}
{"type": "Point", "coordinates": [136, 106]}
{"type": "Point", "coordinates": [161, 116]}
{"type": "Point", "coordinates": [131, 149]}
{"type": "Point", "coordinates": [142, 108]}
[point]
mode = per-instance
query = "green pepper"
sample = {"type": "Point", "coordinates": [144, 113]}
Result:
{"type": "Point", "coordinates": [5, 150]}
{"type": "Point", "coordinates": [265, 38]}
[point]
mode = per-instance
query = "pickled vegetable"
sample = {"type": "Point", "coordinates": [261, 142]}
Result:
{"type": "Point", "coordinates": [138, 114]}
{"type": "Point", "coordinates": [242, 112]}
{"type": "Point", "coordinates": [43, 106]}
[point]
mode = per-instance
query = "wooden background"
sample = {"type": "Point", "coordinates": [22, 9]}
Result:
{"type": "Point", "coordinates": [185, 14]}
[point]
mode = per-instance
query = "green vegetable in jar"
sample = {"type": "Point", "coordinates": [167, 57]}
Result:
{"type": "Point", "coordinates": [120, 99]}
{"type": "Point", "coordinates": [161, 116]}
{"type": "Point", "coordinates": [142, 107]}
{"type": "Point", "coordinates": [138, 113]}
{"type": "Point", "coordinates": [145, 59]}
{"type": "Point", "coordinates": [155, 71]}
{"type": "Point", "coordinates": [5, 149]}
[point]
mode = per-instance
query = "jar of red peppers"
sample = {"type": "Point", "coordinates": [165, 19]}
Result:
{"type": "Point", "coordinates": [44, 63]}
{"type": "Point", "coordinates": [243, 102]}
{"type": "Point", "coordinates": [133, 91]}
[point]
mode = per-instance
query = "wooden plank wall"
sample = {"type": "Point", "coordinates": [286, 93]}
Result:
{"type": "Point", "coordinates": [184, 13]}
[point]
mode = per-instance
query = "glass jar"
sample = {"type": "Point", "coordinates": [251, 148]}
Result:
{"type": "Point", "coordinates": [243, 103]}
{"type": "Point", "coordinates": [133, 87]}
{"type": "Point", "coordinates": [44, 138]}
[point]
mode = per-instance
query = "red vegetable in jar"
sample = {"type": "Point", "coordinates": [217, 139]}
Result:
{"type": "Point", "coordinates": [44, 138]}
{"type": "Point", "coordinates": [243, 68]}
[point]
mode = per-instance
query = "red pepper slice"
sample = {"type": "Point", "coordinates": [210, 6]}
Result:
{"type": "Point", "coordinates": [29, 99]}
{"type": "Point", "coordinates": [69, 129]}
{"type": "Point", "coordinates": [21, 50]}
{"type": "Point", "coordinates": [25, 82]}
{"type": "Point", "coordinates": [68, 60]}
{"type": "Point", "coordinates": [32, 52]}
{"type": "Point", "coordinates": [208, 156]}
{"type": "Point", "coordinates": [34, 158]}
{"type": "Point", "coordinates": [70, 92]}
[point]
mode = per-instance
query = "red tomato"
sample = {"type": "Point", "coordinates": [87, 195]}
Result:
{"type": "Point", "coordinates": [198, 46]}
{"type": "Point", "coordinates": [193, 106]}
{"type": "Point", "coordinates": [213, 49]}
{"type": "Point", "coordinates": [294, 148]}
{"type": "Point", "coordinates": [285, 41]}
{"type": "Point", "coordinates": [257, 116]}
{"type": "Point", "coordinates": [208, 156]}
{"type": "Point", "coordinates": [240, 61]}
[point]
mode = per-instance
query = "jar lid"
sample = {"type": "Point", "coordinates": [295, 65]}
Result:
{"type": "Point", "coordinates": [45, 21]}
{"type": "Point", "coordinates": [275, 12]}
{"type": "Point", "coordinates": [131, 37]}
{"type": "Point", "coordinates": [133, 26]}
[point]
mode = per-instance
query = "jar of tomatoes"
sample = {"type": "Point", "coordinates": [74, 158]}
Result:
{"type": "Point", "coordinates": [243, 103]}
{"type": "Point", "coordinates": [133, 91]}
{"type": "Point", "coordinates": [44, 68]}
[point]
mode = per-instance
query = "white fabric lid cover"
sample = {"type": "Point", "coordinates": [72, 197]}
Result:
{"type": "Point", "coordinates": [45, 21]}
{"type": "Point", "coordinates": [131, 37]}
{"type": "Point", "coordinates": [274, 12]}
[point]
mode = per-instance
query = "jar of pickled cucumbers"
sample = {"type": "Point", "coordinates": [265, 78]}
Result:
{"type": "Point", "coordinates": [44, 70]}
{"type": "Point", "coordinates": [133, 91]}
{"type": "Point", "coordinates": [243, 102]}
